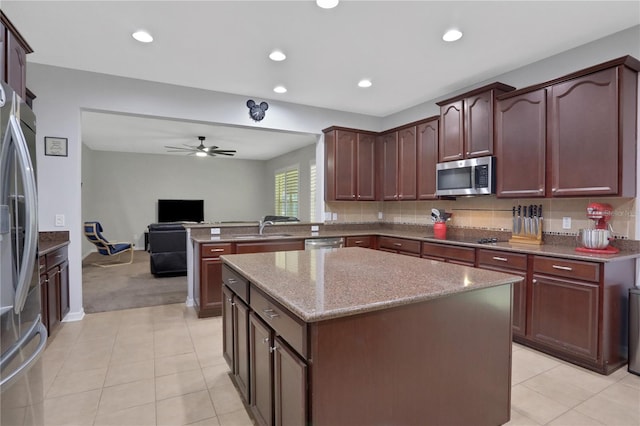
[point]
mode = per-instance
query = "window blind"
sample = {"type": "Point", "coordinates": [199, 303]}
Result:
{"type": "Point", "coordinates": [286, 193]}
{"type": "Point", "coordinates": [312, 191]}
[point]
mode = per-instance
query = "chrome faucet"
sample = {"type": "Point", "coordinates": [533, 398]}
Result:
{"type": "Point", "coordinates": [263, 224]}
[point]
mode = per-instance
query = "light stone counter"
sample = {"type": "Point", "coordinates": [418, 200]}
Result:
{"type": "Point", "coordinates": [317, 285]}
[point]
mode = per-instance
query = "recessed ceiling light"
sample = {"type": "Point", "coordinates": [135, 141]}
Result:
{"type": "Point", "coordinates": [327, 4]}
{"type": "Point", "coordinates": [142, 36]}
{"type": "Point", "coordinates": [277, 56]}
{"type": "Point", "coordinates": [280, 89]}
{"type": "Point", "coordinates": [452, 35]}
{"type": "Point", "coordinates": [364, 83]}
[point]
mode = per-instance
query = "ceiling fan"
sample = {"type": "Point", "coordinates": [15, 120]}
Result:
{"type": "Point", "coordinates": [201, 150]}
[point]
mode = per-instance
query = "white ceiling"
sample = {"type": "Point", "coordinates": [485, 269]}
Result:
{"type": "Point", "coordinates": [223, 46]}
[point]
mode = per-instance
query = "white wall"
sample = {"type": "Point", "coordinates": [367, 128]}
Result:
{"type": "Point", "coordinates": [121, 190]}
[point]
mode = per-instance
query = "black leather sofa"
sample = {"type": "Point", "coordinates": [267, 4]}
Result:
{"type": "Point", "coordinates": [168, 249]}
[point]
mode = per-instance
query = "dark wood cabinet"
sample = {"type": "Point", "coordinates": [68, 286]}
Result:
{"type": "Point", "coordinates": [13, 52]}
{"type": "Point", "coordinates": [592, 120]}
{"type": "Point", "coordinates": [511, 263]}
{"type": "Point", "coordinates": [235, 339]}
{"type": "Point", "coordinates": [466, 123]}
{"type": "Point", "coordinates": [349, 165]}
{"type": "Point", "coordinates": [398, 164]}
{"type": "Point", "coordinates": [207, 293]}
{"type": "Point", "coordinates": [521, 127]}
{"type": "Point", "coordinates": [261, 370]}
{"type": "Point", "coordinates": [449, 253]}
{"type": "Point", "coordinates": [54, 287]}
{"type": "Point", "coordinates": [399, 245]}
{"type": "Point", "coordinates": [366, 241]}
{"type": "Point", "coordinates": [427, 158]}
{"type": "Point", "coordinates": [290, 386]}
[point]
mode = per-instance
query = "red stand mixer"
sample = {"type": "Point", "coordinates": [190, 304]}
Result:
{"type": "Point", "coordinates": [597, 240]}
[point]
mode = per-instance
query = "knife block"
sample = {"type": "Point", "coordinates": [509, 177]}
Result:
{"type": "Point", "coordinates": [524, 238]}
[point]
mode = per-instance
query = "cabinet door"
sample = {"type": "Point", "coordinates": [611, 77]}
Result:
{"type": "Point", "coordinates": [227, 327]}
{"type": "Point", "coordinates": [53, 297]}
{"type": "Point", "coordinates": [564, 315]}
{"type": "Point", "coordinates": [427, 145]}
{"type": "Point", "coordinates": [345, 175]}
{"type": "Point", "coordinates": [64, 289]}
{"type": "Point", "coordinates": [521, 127]}
{"type": "Point", "coordinates": [584, 135]}
{"type": "Point", "coordinates": [241, 347]}
{"type": "Point", "coordinates": [44, 302]}
{"type": "Point", "coordinates": [366, 167]}
{"type": "Point", "coordinates": [518, 300]}
{"type": "Point", "coordinates": [389, 166]}
{"type": "Point", "coordinates": [451, 143]}
{"type": "Point", "coordinates": [16, 65]}
{"type": "Point", "coordinates": [210, 285]}
{"type": "Point", "coordinates": [407, 165]}
{"type": "Point", "coordinates": [478, 125]}
{"type": "Point", "coordinates": [261, 370]}
{"type": "Point", "coordinates": [290, 386]}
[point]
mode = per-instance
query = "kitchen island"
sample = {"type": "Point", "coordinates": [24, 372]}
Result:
{"type": "Point", "coordinates": [354, 336]}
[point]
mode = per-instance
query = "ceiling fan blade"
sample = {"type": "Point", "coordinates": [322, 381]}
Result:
{"type": "Point", "coordinates": [223, 150]}
{"type": "Point", "coordinates": [230, 154]}
{"type": "Point", "coordinates": [179, 148]}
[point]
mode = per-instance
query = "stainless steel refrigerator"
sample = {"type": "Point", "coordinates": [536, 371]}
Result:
{"type": "Point", "coordinates": [22, 335]}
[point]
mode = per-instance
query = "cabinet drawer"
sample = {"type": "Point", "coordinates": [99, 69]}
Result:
{"type": "Point", "coordinates": [364, 241]}
{"type": "Point", "coordinates": [215, 250]}
{"type": "Point", "coordinates": [449, 252]}
{"type": "Point", "coordinates": [236, 282]}
{"type": "Point", "coordinates": [567, 268]}
{"type": "Point", "coordinates": [400, 244]}
{"type": "Point", "coordinates": [56, 257]}
{"type": "Point", "coordinates": [502, 259]}
{"type": "Point", "coordinates": [292, 330]}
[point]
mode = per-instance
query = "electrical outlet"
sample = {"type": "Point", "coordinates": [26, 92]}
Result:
{"type": "Point", "coordinates": [334, 216]}
{"type": "Point", "coordinates": [566, 222]}
{"type": "Point", "coordinates": [327, 215]}
{"type": "Point", "coordinates": [380, 216]}
{"type": "Point", "coordinates": [215, 231]}
{"type": "Point", "coordinates": [59, 220]}
{"type": "Point", "coordinates": [315, 228]}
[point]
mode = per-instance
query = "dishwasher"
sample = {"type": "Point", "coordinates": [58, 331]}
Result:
{"type": "Point", "coordinates": [634, 330]}
{"type": "Point", "coordinates": [319, 243]}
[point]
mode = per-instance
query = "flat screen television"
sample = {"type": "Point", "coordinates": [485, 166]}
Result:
{"type": "Point", "coordinates": [181, 211]}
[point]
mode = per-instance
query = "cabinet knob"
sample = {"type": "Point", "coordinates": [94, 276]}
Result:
{"type": "Point", "coordinates": [273, 348]}
{"type": "Point", "coordinates": [265, 340]}
{"type": "Point", "coordinates": [353, 196]}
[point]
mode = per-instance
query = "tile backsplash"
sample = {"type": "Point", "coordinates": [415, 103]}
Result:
{"type": "Point", "coordinates": [489, 212]}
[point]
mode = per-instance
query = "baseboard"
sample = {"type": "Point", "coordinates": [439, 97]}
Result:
{"type": "Point", "coordinates": [74, 316]}
{"type": "Point", "coordinates": [189, 301]}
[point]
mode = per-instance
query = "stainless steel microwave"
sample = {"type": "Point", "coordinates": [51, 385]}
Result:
{"type": "Point", "coordinates": [473, 176]}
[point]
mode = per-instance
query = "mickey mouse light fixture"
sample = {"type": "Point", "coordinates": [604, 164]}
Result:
{"type": "Point", "coordinates": [256, 112]}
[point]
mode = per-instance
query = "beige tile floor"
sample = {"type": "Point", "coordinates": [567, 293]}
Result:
{"type": "Point", "coordinates": [163, 366]}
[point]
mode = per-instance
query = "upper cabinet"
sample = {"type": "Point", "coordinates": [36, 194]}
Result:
{"type": "Point", "coordinates": [592, 133]}
{"type": "Point", "coordinates": [349, 165]}
{"type": "Point", "coordinates": [427, 142]}
{"type": "Point", "coordinates": [466, 123]}
{"type": "Point", "coordinates": [13, 57]}
{"type": "Point", "coordinates": [521, 129]}
{"type": "Point", "coordinates": [398, 164]}
{"type": "Point", "coordinates": [570, 137]}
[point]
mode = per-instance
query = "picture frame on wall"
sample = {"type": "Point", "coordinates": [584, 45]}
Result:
{"type": "Point", "coordinates": [56, 147]}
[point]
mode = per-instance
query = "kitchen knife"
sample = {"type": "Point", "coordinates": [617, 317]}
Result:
{"type": "Point", "coordinates": [519, 219]}
{"type": "Point", "coordinates": [515, 223]}
{"type": "Point", "coordinates": [535, 220]}
{"type": "Point", "coordinates": [527, 222]}
{"type": "Point", "coordinates": [540, 218]}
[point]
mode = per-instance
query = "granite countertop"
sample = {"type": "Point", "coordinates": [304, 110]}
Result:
{"type": "Point", "coordinates": [52, 240]}
{"type": "Point", "coordinates": [317, 285]}
{"type": "Point", "coordinates": [565, 251]}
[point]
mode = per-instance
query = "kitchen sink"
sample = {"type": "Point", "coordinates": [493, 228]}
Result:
{"type": "Point", "coordinates": [258, 236]}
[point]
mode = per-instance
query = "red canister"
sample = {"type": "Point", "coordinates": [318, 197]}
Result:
{"type": "Point", "coordinates": [440, 230]}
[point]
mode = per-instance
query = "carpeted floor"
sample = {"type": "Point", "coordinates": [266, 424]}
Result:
{"type": "Point", "coordinates": [127, 286]}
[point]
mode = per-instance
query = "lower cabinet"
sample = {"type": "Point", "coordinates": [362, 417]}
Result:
{"type": "Point", "coordinates": [207, 293]}
{"type": "Point", "coordinates": [235, 345]}
{"type": "Point", "coordinates": [54, 287]}
{"type": "Point", "coordinates": [399, 245]}
{"type": "Point", "coordinates": [269, 246]}
{"type": "Point", "coordinates": [449, 253]}
{"type": "Point", "coordinates": [366, 241]}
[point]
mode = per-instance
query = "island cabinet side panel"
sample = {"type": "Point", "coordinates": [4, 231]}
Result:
{"type": "Point", "coordinates": [446, 361]}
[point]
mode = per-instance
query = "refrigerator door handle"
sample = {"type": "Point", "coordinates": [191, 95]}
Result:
{"type": "Point", "coordinates": [14, 133]}
{"type": "Point", "coordinates": [36, 329]}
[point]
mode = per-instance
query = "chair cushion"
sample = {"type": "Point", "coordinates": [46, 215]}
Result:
{"type": "Point", "coordinates": [117, 248]}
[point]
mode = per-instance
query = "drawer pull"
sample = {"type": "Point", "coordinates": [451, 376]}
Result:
{"type": "Point", "coordinates": [270, 313]}
{"type": "Point", "coordinates": [501, 259]}
{"type": "Point", "coordinates": [397, 244]}
{"type": "Point", "coordinates": [564, 268]}
{"type": "Point", "coordinates": [358, 242]}
{"type": "Point", "coordinates": [216, 250]}
{"type": "Point", "coordinates": [232, 280]}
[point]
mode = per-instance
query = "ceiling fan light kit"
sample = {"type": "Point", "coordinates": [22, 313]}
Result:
{"type": "Point", "coordinates": [201, 150]}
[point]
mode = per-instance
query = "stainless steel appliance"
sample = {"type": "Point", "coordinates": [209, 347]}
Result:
{"type": "Point", "coordinates": [318, 243]}
{"type": "Point", "coordinates": [473, 176]}
{"type": "Point", "coordinates": [634, 330]}
{"type": "Point", "coordinates": [22, 334]}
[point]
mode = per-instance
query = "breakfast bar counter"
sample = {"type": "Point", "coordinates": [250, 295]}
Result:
{"type": "Point", "coordinates": [356, 336]}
